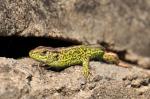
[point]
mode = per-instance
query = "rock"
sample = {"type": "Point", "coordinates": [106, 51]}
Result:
{"type": "Point", "coordinates": [136, 83]}
{"type": "Point", "coordinates": [23, 78]}
{"type": "Point", "coordinates": [144, 62]}
{"type": "Point", "coordinates": [91, 21]}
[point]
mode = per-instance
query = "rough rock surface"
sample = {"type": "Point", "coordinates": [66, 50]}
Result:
{"type": "Point", "coordinates": [124, 24]}
{"type": "Point", "coordinates": [24, 79]}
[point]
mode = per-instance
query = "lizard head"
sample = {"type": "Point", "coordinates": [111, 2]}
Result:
{"type": "Point", "coordinates": [111, 58]}
{"type": "Point", "coordinates": [44, 54]}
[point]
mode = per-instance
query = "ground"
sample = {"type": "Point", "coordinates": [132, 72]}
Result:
{"type": "Point", "coordinates": [23, 78]}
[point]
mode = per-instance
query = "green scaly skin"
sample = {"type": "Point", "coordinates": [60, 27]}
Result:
{"type": "Point", "coordinates": [68, 56]}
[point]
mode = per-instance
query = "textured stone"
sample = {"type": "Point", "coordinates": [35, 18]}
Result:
{"type": "Point", "coordinates": [123, 23]}
{"type": "Point", "coordinates": [24, 79]}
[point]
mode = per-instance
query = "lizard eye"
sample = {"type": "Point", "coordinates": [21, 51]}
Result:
{"type": "Point", "coordinates": [44, 53]}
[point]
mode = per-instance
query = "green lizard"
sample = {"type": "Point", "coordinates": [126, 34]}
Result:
{"type": "Point", "coordinates": [65, 57]}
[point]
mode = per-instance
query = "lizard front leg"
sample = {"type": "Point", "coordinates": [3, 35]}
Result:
{"type": "Point", "coordinates": [86, 67]}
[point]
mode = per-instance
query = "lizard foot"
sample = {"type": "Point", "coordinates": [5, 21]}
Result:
{"type": "Point", "coordinates": [86, 73]}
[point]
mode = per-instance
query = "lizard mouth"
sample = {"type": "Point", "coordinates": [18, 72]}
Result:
{"type": "Point", "coordinates": [32, 54]}
{"type": "Point", "coordinates": [36, 56]}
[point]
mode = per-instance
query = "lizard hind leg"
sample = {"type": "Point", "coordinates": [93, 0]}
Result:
{"type": "Point", "coordinates": [111, 58]}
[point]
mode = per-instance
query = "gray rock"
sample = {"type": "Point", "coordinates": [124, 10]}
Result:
{"type": "Point", "coordinates": [24, 79]}
{"type": "Point", "coordinates": [125, 23]}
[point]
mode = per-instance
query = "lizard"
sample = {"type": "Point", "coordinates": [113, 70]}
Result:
{"type": "Point", "coordinates": [64, 57]}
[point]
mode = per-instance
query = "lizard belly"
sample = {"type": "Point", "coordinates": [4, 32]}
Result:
{"type": "Point", "coordinates": [65, 63]}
